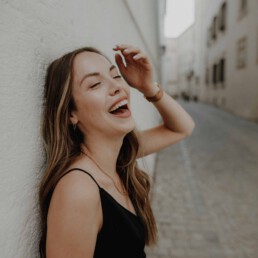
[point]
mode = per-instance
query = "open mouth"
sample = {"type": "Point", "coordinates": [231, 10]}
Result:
{"type": "Point", "coordinates": [120, 110]}
{"type": "Point", "coordinates": [120, 107]}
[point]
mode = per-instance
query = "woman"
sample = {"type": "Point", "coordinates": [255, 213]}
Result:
{"type": "Point", "coordinates": [94, 199]}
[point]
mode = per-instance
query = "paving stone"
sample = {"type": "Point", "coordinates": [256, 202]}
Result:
{"type": "Point", "coordinates": [205, 191]}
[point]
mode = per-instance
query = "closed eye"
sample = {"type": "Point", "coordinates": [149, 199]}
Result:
{"type": "Point", "coordinates": [118, 76]}
{"type": "Point", "coordinates": [94, 85]}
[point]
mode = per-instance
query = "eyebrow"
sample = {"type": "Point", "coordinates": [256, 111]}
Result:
{"type": "Point", "coordinates": [95, 74]}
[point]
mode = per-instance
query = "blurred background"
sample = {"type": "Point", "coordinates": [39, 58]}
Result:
{"type": "Point", "coordinates": [212, 49]}
{"type": "Point", "coordinates": [205, 55]}
{"type": "Point", "coordinates": [205, 195]}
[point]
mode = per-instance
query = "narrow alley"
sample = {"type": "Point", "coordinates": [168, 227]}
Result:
{"type": "Point", "coordinates": [205, 195]}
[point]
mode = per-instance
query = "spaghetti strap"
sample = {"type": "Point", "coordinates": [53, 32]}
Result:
{"type": "Point", "coordinates": [82, 171]}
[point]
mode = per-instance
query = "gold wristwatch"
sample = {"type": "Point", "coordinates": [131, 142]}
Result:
{"type": "Point", "coordinates": [157, 96]}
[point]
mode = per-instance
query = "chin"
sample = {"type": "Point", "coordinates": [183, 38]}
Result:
{"type": "Point", "coordinates": [120, 126]}
{"type": "Point", "coordinates": [129, 129]}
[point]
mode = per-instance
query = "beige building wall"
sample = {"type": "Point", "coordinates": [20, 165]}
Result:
{"type": "Point", "coordinates": [178, 62]}
{"type": "Point", "coordinates": [170, 67]}
{"type": "Point", "coordinates": [185, 46]}
{"type": "Point", "coordinates": [238, 46]}
{"type": "Point", "coordinates": [32, 34]}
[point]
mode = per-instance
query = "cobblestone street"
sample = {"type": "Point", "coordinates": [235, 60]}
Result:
{"type": "Point", "coordinates": [205, 195]}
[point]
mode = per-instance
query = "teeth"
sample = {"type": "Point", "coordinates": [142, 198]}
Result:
{"type": "Point", "coordinates": [120, 104]}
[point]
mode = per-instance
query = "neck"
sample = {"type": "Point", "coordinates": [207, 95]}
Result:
{"type": "Point", "coordinates": [104, 151]}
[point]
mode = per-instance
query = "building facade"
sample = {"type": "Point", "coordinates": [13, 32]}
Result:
{"type": "Point", "coordinates": [178, 72]}
{"type": "Point", "coordinates": [226, 50]}
{"type": "Point", "coordinates": [217, 57]}
{"type": "Point", "coordinates": [186, 76]}
{"type": "Point", "coordinates": [170, 67]}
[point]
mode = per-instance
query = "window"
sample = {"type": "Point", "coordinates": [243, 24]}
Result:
{"type": "Point", "coordinates": [214, 75]}
{"type": "Point", "coordinates": [242, 8]}
{"type": "Point", "coordinates": [257, 48]}
{"type": "Point", "coordinates": [218, 72]}
{"type": "Point", "coordinates": [223, 16]}
{"type": "Point", "coordinates": [207, 78]}
{"type": "Point", "coordinates": [243, 5]}
{"type": "Point", "coordinates": [222, 70]}
{"type": "Point", "coordinates": [241, 53]}
{"type": "Point", "coordinates": [214, 27]}
{"type": "Point", "coordinates": [208, 37]}
{"type": "Point", "coordinates": [210, 34]}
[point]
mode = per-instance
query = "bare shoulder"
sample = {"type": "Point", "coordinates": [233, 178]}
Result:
{"type": "Point", "coordinates": [77, 186]}
{"type": "Point", "coordinates": [74, 216]}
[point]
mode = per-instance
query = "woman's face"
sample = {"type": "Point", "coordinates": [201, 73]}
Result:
{"type": "Point", "coordinates": [101, 97]}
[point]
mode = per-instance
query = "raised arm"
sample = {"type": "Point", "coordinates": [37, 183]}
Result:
{"type": "Point", "coordinates": [177, 123]}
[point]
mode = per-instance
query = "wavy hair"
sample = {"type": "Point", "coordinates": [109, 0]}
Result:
{"type": "Point", "coordinates": [62, 144]}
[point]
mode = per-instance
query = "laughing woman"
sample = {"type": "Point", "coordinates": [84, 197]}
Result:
{"type": "Point", "coordinates": [94, 200]}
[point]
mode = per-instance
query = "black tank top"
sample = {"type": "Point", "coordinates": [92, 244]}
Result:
{"type": "Point", "coordinates": [122, 232]}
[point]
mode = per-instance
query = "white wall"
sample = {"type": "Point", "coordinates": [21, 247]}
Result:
{"type": "Point", "coordinates": [32, 34]}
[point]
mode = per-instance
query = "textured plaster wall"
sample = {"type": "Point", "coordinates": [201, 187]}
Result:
{"type": "Point", "coordinates": [32, 34]}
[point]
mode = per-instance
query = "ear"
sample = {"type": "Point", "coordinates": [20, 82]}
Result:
{"type": "Point", "coordinates": [73, 118]}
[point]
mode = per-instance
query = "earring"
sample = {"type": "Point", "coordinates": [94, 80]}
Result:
{"type": "Point", "coordinates": [74, 127]}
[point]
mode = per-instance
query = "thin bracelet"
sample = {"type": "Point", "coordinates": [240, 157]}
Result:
{"type": "Point", "coordinates": [157, 96]}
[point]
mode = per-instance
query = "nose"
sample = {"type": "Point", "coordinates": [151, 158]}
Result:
{"type": "Point", "coordinates": [115, 87]}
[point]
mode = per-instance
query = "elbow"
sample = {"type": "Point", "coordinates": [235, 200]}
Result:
{"type": "Point", "coordinates": [190, 130]}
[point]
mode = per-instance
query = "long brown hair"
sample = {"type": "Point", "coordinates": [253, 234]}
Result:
{"type": "Point", "coordinates": [62, 144]}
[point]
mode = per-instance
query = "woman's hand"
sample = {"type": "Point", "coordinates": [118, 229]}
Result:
{"type": "Point", "coordinates": [137, 70]}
